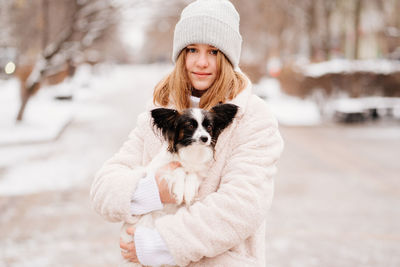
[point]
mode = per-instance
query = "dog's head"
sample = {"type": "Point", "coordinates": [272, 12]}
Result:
{"type": "Point", "coordinates": [193, 126]}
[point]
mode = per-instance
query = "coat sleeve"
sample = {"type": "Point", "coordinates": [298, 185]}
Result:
{"type": "Point", "coordinates": [116, 181]}
{"type": "Point", "coordinates": [227, 217]}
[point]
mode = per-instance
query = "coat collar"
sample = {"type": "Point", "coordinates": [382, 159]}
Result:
{"type": "Point", "coordinates": [242, 98]}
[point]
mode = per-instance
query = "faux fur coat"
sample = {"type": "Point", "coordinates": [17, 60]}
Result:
{"type": "Point", "coordinates": [226, 227]}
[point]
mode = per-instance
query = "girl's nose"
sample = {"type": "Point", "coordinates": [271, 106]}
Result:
{"type": "Point", "coordinates": [202, 60]}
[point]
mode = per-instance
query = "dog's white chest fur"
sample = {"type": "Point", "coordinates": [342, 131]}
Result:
{"type": "Point", "coordinates": [195, 158]}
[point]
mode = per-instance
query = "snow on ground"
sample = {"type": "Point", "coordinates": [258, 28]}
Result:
{"type": "Point", "coordinates": [39, 124]}
{"type": "Point", "coordinates": [289, 110]}
{"type": "Point", "coordinates": [294, 111]}
{"type": "Point", "coordinates": [34, 158]}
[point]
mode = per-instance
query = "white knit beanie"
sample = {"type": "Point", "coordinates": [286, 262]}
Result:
{"type": "Point", "coordinates": [213, 22]}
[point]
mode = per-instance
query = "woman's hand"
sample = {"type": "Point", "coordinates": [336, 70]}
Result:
{"type": "Point", "coordinates": [129, 249]}
{"type": "Point", "coordinates": [165, 195]}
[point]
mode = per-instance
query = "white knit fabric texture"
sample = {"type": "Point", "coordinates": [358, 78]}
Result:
{"type": "Point", "coordinates": [146, 197]}
{"type": "Point", "coordinates": [213, 22]}
{"type": "Point", "coordinates": [151, 249]}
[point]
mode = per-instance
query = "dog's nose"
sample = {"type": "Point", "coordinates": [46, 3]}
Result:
{"type": "Point", "coordinates": [204, 139]}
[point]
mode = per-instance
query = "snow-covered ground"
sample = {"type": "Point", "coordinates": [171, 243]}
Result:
{"type": "Point", "coordinates": [289, 110]}
{"type": "Point", "coordinates": [35, 156]}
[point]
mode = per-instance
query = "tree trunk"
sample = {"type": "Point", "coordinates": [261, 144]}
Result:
{"type": "Point", "coordinates": [26, 94]}
{"type": "Point", "coordinates": [397, 21]}
{"type": "Point", "coordinates": [93, 14]}
{"type": "Point", "coordinates": [311, 30]}
{"type": "Point", "coordinates": [357, 18]}
{"type": "Point", "coordinates": [24, 101]}
{"type": "Point", "coordinates": [327, 8]}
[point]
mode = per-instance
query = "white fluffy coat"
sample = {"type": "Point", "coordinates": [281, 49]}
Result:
{"type": "Point", "coordinates": [226, 227]}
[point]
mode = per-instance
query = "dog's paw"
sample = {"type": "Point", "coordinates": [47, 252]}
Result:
{"type": "Point", "coordinates": [177, 187]}
{"type": "Point", "coordinates": [177, 192]}
{"type": "Point", "coordinates": [190, 193]}
{"type": "Point", "coordinates": [189, 197]}
{"type": "Point", "coordinates": [191, 188]}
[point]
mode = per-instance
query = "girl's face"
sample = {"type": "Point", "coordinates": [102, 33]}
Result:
{"type": "Point", "coordinates": [201, 65]}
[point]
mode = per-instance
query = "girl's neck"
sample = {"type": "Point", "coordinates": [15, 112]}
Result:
{"type": "Point", "coordinates": [198, 93]}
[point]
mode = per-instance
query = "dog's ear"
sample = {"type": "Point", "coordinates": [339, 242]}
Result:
{"type": "Point", "coordinates": [164, 119]}
{"type": "Point", "coordinates": [223, 115]}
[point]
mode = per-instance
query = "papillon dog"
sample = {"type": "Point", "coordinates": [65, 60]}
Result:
{"type": "Point", "coordinates": [190, 138]}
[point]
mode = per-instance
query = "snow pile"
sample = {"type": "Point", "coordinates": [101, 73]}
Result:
{"type": "Point", "coordinates": [376, 66]}
{"type": "Point", "coordinates": [348, 105]}
{"type": "Point", "coordinates": [105, 104]}
{"type": "Point", "coordinates": [43, 120]}
{"type": "Point", "coordinates": [289, 110]}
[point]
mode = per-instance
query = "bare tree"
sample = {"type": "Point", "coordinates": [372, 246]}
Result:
{"type": "Point", "coordinates": [328, 8]}
{"type": "Point", "coordinates": [311, 29]}
{"type": "Point", "coordinates": [357, 19]}
{"type": "Point", "coordinates": [90, 20]}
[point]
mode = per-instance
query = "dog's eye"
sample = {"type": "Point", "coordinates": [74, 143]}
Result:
{"type": "Point", "coordinates": [209, 128]}
{"type": "Point", "coordinates": [189, 126]}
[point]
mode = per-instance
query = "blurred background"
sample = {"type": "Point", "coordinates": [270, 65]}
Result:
{"type": "Point", "coordinates": [74, 75]}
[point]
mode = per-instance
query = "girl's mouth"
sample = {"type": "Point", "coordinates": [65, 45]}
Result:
{"type": "Point", "coordinates": [201, 74]}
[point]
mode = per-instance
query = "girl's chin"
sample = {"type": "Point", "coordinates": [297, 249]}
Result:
{"type": "Point", "coordinates": [201, 87]}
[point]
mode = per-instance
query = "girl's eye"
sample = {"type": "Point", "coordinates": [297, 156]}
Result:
{"type": "Point", "coordinates": [191, 50]}
{"type": "Point", "coordinates": [214, 52]}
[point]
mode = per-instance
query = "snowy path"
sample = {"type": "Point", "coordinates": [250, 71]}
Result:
{"type": "Point", "coordinates": [337, 201]}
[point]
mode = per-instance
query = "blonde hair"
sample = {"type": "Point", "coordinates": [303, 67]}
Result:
{"type": "Point", "coordinates": [176, 87]}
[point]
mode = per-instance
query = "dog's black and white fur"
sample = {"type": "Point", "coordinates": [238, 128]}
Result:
{"type": "Point", "coordinates": [190, 138]}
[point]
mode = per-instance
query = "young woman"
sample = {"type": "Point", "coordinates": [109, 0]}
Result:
{"type": "Point", "coordinates": [226, 226]}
